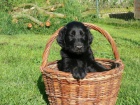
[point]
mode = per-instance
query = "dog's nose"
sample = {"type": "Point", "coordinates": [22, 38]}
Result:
{"type": "Point", "coordinates": [79, 47]}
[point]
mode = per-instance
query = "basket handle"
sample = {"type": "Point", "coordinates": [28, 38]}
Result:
{"type": "Point", "coordinates": [89, 25]}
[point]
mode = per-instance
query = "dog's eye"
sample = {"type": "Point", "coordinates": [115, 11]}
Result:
{"type": "Point", "coordinates": [81, 33]}
{"type": "Point", "coordinates": [72, 33]}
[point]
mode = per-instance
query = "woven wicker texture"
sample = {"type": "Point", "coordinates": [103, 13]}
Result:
{"type": "Point", "coordinates": [99, 88]}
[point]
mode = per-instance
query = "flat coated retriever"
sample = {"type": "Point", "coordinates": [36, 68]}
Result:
{"type": "Point", "coordinates": [77, 56]}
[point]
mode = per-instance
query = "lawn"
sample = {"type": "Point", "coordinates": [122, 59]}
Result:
{"type": "Point", "coordinates": [21, 55]}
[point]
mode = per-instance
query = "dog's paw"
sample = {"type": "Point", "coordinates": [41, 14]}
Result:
{"type": "Point", "coordinates": [78, 73]}
{"type": "Point", "coordinates": [91, 69]}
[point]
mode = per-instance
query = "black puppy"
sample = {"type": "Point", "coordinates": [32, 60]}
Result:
{"type": "Point", "coordinates": [77, 56]}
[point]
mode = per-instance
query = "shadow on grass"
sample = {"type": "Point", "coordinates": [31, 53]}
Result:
{"type": "Point", "coordinates": [129, 40]}
{"type": "Point", "coordinates": [41, 88]}
{"type": "Point", "coordinates": [125, 16]}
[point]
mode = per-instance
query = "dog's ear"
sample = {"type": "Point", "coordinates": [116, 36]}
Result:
{"type": "Point", "coordinates": [90, 36]}
{"type": "Point", "coordinates": [61, 35]}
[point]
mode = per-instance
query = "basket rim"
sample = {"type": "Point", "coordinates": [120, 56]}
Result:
{"type": "Point", "coordinates": [90, 76]}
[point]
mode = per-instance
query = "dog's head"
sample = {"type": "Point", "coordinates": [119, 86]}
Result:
{"type": "Point", "coordinates": [75, 37]}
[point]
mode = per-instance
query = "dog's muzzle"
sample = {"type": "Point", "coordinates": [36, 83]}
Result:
{"type": "Point", "coordinates": [79, 49]}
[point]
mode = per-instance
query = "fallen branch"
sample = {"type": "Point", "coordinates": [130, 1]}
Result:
{"type": "Point", "coordinates": [42, 11]}
{"type": "Point", "coordinates": [29, 25]}
{"type": "Point", "coordinates": [28, 17]}
{"type": "Point", "coordinates": [25, 5]}
{"type": "Point", "coordinates": [27, 9]}
{"type": "Point", "coordinates": [33, 5]}
{"type": "Point", "coordinates": [53, 6]}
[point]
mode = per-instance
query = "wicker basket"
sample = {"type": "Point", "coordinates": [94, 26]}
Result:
{"type": "Point", "coordinates": [99, 88]}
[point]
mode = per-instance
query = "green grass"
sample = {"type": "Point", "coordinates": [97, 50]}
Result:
{"type": "Point", "coordinates": [21, 55]}
{"type": "Point", "coordinates": [21, 52]}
